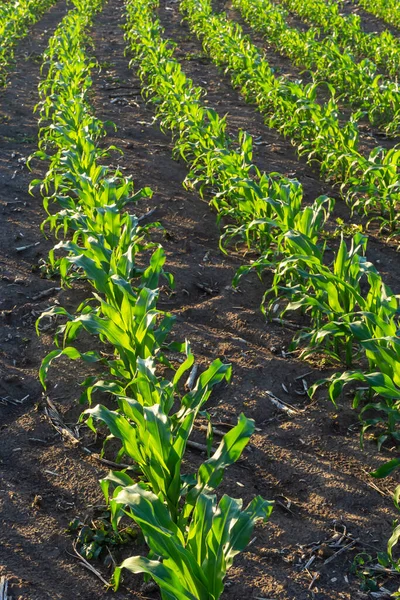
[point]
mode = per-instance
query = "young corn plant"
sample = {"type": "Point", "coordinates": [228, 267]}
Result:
{"type": "Point", "coordinates": [100, 244]}
{"type": "Point", "coordinates": [92, 197]}
{"type": "Point", "coordinates": [347, 30]}
{"type": "Point", "coordinates": [388, 10]}
{"type": "Point", "coordinates": [264, 205]}
{"type": "Point", "coordinates": [374, 571]}
{"type": "Point", "coordinates": [267, 209]}
{"type": "Point", "coordinates": [387, 560]}
{"type": "Point", "coordinates": [126, 319]}
{"type": "Point", "coordinates": [358, 83]}
{"type": "Point", "coordinates": [290, 107]}
{"type": "Point", "coordinates": [332, 296]}
{"type": "Point", "coordinates": [189, 564]}
{"type": "Point", "coordinates": [379, 394]}
{"type": "Point", "coordinates": [15, 19]}
{"type": "Point", "coordinates": [156, 442]}
{"type": "Point", "coordinates": [376, 189]}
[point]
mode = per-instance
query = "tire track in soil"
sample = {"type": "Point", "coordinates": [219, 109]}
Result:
{"type": "Point", "coordinates": [314, 459]}
{"type": "Point", "coordinates": [43, 483]}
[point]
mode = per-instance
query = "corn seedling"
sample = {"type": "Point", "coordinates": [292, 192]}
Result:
{"type": "Point", "coordinates": [268, 211]}
{"type": "Point", "coordinates": [383, 49]}
{"type": "Point", "coordinates": [380, 389]}
{"type": "Point", "coordinates": [358, 83]}
{"type": "Point", "coordinates": [100, 244]}
{"type": "Point", "coordinates": [15, 19]}
{"type": "Point", "coordinates": [156, 442]}
{"type": "Point", "coordinates": [189, 564]}
{"type": "Point", "coordinates": [293, 109]}
{"type": "Point", "coordinates": [388, 10]}
{"type": "Point", "coordinates": [330, 295]}
{"type": "Point", "coordinates": [266, 206]}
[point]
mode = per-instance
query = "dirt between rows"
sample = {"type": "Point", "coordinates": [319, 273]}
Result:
{"type": "Point", "coordinates": [311, 464]}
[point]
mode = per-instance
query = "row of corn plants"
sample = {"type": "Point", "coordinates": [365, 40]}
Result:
{"type": "Point", "coordinates": [15, 19]}
{"type": "Point", "coordinates": [370, 183]}
{"type": "Point", "coordinates": [388, 10]}
{"type": "Point", "coordinates": [347, 323]}
{"type": "Point", "coordinates": [358, 83]}
{"type": "Point", "coordinates": [264, 205]}
{"type": "Point", "coordinates": [346, 316]}
{"type": "Point", "coordinates": [192, 537]}
{"type": "Point", "coordinates": [383, 49]}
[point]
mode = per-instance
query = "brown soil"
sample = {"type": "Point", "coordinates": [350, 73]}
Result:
{"type": "Point", "coordinates": [312, 460]}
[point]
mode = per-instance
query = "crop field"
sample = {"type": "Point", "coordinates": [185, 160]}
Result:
{"type": "Point", "coordinates": [199, 299]}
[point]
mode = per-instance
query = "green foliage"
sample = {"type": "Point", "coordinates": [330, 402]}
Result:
{"type": "Point", "coordinates": [156, 441]}
{"type": "Point", "coordinates": [152, 419]}
{"type": "Point", "coordinates": [260, 207]}
{"type": "Point", "coordinates": [388, 10]}
{"type": "Point", "coordinates": [358, 83]}
{"type": "Point", "coordinates": [331, 295]}
{"type": "Point", "coordinates": [15, 19]}
{"type": "Point", "coordinates": [387, 468]}
{"type": "Point", "coordinates": [192, 562]}
{"type": "Point", "coordinates": [387, 563]}
{"type": "Point", "coordinates": [347, 30]}
{"type": "Point", "coordinates": [295, 110]}
{"type": "Point", "coordinates": [93, 541]}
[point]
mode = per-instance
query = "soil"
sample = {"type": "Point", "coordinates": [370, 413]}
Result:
{"type": "Point", "coordinates": [310, 464]}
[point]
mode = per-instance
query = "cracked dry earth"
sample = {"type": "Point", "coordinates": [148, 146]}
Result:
{"type": "Point", "coordinates": [310, 464]}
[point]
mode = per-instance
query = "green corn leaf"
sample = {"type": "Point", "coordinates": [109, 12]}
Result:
{"type": "Point", "coordinates": [120, 479]}
{"type": "Point", "coordinates": [386, 469]}
{"type": "Point", "coordinates": [185, 366]}
{"type": "Point", "coordinates": [394, 538]}
{"type": "Point", "coordinates": [216, 373]}
{"type": "Point", "coordinates": [169, 583]}
{"type": "Point", "coordinates": [383, 385]}
{"type": "Point", "coordinates": [242, 530]}
{"type": "Point", "coordinates": [69, 352]}
{"type": "Point", "coordinates": [200, 525]}
{"type": "Point", "coordinates": [119, 427]}
{"type": "Point", "coordinates": [396, 497]}
{"type": "Point", "coordinates": [211, 472]}
{"type": "Point", "coordinates": [164, 538]}
{"type": "Point", "coordinates": [230, 533]}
